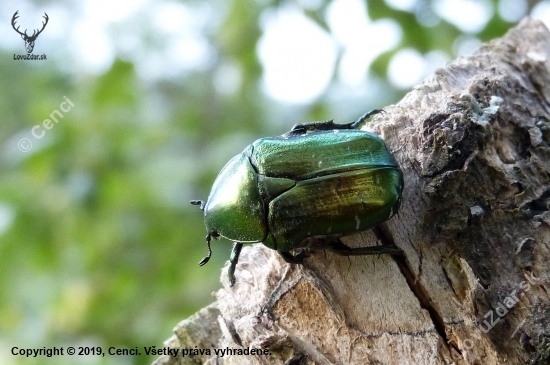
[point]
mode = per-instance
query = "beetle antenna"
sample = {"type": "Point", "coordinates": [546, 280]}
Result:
{"type": "Point", "coordinates": [207, 257]}
{"type": "Point", "coordinates": [198, 202]}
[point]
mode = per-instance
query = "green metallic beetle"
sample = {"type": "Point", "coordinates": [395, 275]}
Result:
{"type": "Point", "coordinates": [305, 189]}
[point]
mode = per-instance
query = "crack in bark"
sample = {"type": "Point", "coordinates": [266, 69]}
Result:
{"type": "Point", "coordinates": [417, 289]}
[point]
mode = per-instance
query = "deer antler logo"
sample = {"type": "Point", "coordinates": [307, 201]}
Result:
{"type": "Point", "coordinates": [29, 40]}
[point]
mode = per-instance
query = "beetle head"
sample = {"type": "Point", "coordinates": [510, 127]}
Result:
{"type": "Point", "coordinates": [235, 209]}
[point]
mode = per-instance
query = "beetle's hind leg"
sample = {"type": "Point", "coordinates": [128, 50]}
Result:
{"type": "Point", "coordinates": [327, 125]}
{"type": "Point", "coordinates": [339, 248]}
{"type": "Point", "coordinates": [363, 119]}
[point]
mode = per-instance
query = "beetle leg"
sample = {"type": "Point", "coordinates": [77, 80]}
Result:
{"type": "Point", "coordinates": [294, 259]}
{"type": "Point", "coordinates": [207, 257]}
{"type": "Point", "coordinates": [339, 248]}
{"type": "Point", "coordinates": [363, 119]}
{"type": "Point", "coordinates": [233, 259]}
{"type": "Point", "coordinates": [303, 128]}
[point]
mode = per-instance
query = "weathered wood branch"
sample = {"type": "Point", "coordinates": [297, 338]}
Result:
{"type": "Point", "coordinates": [474, 285]}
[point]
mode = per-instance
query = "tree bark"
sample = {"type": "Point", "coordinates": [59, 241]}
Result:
{"type": "Point", "coordinates": [474, 284]}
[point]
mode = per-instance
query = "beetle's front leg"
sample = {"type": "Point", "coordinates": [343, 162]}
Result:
{"type": "Point", "coordinates": [339, 248]}
{"type": "Point", "coordinates": [233, 259]}
{"type": "Point", "coordinates": [294, 259]}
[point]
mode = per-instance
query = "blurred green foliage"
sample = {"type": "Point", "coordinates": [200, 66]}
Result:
{"type": "Point", "coordinates": [100, 245]}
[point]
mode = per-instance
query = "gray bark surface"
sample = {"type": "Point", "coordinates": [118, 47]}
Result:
{"type": "Point", "coordinates": [474, 284]}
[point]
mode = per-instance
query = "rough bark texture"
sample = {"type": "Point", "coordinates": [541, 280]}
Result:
{"type": "Point", "coordinates": [474, 284]}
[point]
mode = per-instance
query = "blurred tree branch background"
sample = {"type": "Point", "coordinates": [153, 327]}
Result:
{"type": "Point", "coordinates": [97, 239]}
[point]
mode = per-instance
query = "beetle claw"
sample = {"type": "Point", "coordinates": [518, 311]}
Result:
{"type": "Point", "coordinates": [204, 260]}
{"type": "Point", "coordinates": [294, 259]}
{"type": "Point", "coordinates": [302, 255]}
